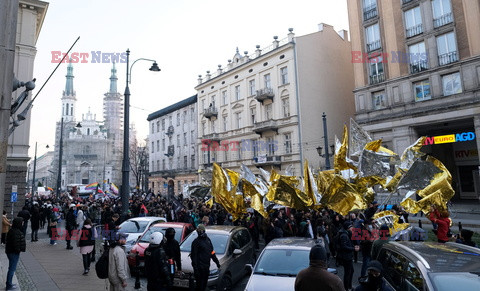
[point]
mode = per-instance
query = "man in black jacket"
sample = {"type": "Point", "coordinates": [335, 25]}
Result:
{"type": "Point", "coordinates": [25, 214]}
{"type": "Point", "coordinates": [71, 224]}
{"type": "Point", "coordinates": [172, 248]}
{"type": "Point", "coordinates": [35, 221]}
{"type": "Point", "coordinates": [345, 251]}
{"type": "Point", "coordinates": [14, 245]}
{"type": "Point", "coordinates": [201, 254]}
{"type": "Point", "coordinates": [156, 267]}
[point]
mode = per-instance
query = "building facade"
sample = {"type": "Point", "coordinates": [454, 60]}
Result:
{"type": "Point", "coordinates": [265, 109]}
{"type": "Point", "coordinates": [172, 146]}
{"type": "Point", "coordinates": [43, 172]}
{"type": "Point", "coordinates": [417, 73]}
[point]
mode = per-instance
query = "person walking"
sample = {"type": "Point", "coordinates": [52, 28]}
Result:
{"type": "Point", "coordinates": [35, 221]}
{"type": "Point", "coordinates": [118, 271]}
{"type": "Point", "coordinates": [15, 244]}
{"type": "Point", "coordinates": [156, 266]}
{"type": "Point", "coordinates": [172, 249]}
{"type": "Point", "coordinates": [25, 214]}
{"type": "Point", "coordinates": [70, 225]}
{"type": "Point", "coordinates": [316, 276]}
{"type": "Point", "coordinates": [52, 226]}
{"type": "Point", "coordinates": [5, 226]}
{"type": "Point", "coordinates": [201, 253]}
{"type": "Point", "coordinates": [80, 216]}
{"type": "Point", "coordinates": [345, 251]}
{"type": "Point", "coordinates": [86, 241]}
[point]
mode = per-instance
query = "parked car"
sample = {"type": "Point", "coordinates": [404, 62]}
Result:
{"type": "Point", "coordinates": [430, 266]}
{"type": "Point", "coordinates": [279, 264]}
{"type": "Point", "coordinates": [182, 230]}
{"type": "Point", "coordinates": [135, 227]}
{"type": "Point", "coordinates": [234, 248]}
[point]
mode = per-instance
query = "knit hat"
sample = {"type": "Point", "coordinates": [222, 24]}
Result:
{"type": "Point", "coordinates": [375, 265]}
{"type": "Point", "coordinates": [201, 227]}
{"type": "Point", "coordinates": [347, 224]}
{"type": "Point", "coordinates": [318, 253]}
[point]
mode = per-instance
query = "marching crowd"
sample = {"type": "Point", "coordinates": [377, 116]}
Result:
{"type": "Point", "coordinates": [340, 244]}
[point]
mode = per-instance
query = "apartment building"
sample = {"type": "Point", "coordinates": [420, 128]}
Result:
{"type": "Point", "coordinates": [173, 147]}
{"type": "Point", "coordinates": [264, 109]}
{"type": "Point", "coordinates": [417, 73]}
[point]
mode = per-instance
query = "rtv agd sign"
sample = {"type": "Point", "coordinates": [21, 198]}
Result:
{"type": "Point", "coordinates": [458, 137]}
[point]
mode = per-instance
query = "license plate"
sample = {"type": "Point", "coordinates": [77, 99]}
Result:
{"type": "Point", "coordinates": [180, 283]}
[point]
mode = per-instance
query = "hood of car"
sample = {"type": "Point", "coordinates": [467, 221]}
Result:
{"type": "Point", "coordinates": [259, 282]}
{"type": "Point", "coordinates": [187, 262]}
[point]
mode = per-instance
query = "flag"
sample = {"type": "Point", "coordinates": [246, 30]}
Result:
{"type": "Point", "coordinates": [144, 208]}
{"type": "Point", "coordinates": [114, 189]}
{"type": "Point", "coordinates": [50, 188]}
{"type": "Point", "coordinates": [92, 186]}
{"type": "Point", "coordinates": [100, 191]}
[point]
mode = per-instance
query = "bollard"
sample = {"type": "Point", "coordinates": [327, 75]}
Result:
{"type": "Point", "coordinates": [420, 223]}
{"type": "Point", "coordinates": [137, 275]}
{"type": "Point", "coordinates": [460, 226]}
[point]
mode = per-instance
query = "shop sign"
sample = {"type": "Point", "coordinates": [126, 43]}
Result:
{"type": "Point", "coordinates": [464, 136]}
{"type": "Point", "coordinates": [466, 154]}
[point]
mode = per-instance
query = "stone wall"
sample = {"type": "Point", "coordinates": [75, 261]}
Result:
{"type": "Point", "coordinates": [16, 175]}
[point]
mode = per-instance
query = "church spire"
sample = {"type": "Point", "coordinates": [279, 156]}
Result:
{"type": "Point", "coordinates": [69, 84]}
{"type": "Point", "coordinates": [113, 80]}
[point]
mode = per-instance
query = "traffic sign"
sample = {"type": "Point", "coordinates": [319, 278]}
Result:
{"type": "Point", "coordinates": [13, 197]}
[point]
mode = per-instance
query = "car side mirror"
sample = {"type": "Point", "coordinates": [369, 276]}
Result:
{"type": "Point", "coordinates": [237, 252]}
{"type": "Point", "coordinates": [249, 269]}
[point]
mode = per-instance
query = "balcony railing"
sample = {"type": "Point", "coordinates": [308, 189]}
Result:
{"type": "Point", "coordinates": [415, 30]}
{"type": "Point", "coordinates": [374, 45]}
{"type": "Point", "coordinates": [443, 20]}
{"type": "Point", "coordinates": [370, 12]}
{"type": "Point", "coordinates": [419, 66]}
{"type": "Point", "coordinates": [170, 151]}
{"type": "Point", "coordinates": [406, 1]}
{"type": "Point", "coordinates": [378, 78]}
{"type": "Point", "coordinates": [267, 160]}
{"type": "Point", "coordinates": [264, 126]}
{"type": "Point", "coordinates": [449, 58]}
{"type": "Point", "coordinates": [210, 112]}
{"type": "Point", "coordinates": [264, 94]}
{"type": "Point", "coordinates": [211, 137]}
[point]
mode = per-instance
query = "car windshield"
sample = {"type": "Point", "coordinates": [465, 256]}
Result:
{"type": "Point", "coordinates": [456, 281]}
{"type": "Point", "coordinates": [146, 236]}
{"type": "Point", "coordinates": [282, 262]}
{"type": "Point", "coordinates": [219, 242]}
{"type": "Point", "coordinates": [133, 226]}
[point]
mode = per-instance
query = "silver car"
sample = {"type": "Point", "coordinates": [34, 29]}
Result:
{"type": "Point", "coordinates": [279, 264]}
{"type": "Point", "coordinates": [135, 227]}
{"type": "Point", "coordinates": [234, 249]}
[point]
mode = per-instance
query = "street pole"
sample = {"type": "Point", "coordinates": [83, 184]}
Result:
{"type": "Point", "coordinates": [126, 139]}
{"type": "Point", "coordinates": [325, 138]}
{"type": "Point", "coordinates": [34, 169]}
{"type": "Point", "coordinates": [60, 154]}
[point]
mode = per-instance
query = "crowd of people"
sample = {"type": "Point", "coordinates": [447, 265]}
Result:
{"type": "Point", "coordinates": [337, 232]}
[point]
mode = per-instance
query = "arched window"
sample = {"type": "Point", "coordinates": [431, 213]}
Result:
{"type": "Point", "coordinates": [71, 110]}
{"type": "Point", "coordinates": [88, 131]}
{"type": "Point", "coordinates": [66, 111]}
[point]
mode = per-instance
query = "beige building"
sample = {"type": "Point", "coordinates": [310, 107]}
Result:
{"type": "Point", "coordinates": [264, 109]}
{"type": "Point", "coordinates": [417, 73]}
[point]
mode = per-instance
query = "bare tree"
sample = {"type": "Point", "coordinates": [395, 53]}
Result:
{"type": "Point", "coordinates": [139, 163]}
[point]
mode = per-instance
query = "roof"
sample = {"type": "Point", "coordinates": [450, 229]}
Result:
{"type": "Point", "coordinates": [292, 242]}
{"type": "Point", "coordinates": [172, 108]}
{"type": "Point", "coordinates": [146, 218]}
{"type": "Point", "coordinates": [448, 257]}
{"type": "Point", "coordinates": [170, 224]}
{"type": "Point", "coordinates": [221, 228]}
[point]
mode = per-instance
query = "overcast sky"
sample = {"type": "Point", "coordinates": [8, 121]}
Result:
{"type": "Point", "coordinates": [186, 37]}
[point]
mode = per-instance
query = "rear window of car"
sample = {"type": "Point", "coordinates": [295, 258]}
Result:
{"type": "Point", "coordinates": [132, 226]}
{"type": "Point", "coordinates": [219, 242]}
{"type": "Point", "coordinates": [456, 281]}
{"type": "Point", "coordinates": [282, 262]}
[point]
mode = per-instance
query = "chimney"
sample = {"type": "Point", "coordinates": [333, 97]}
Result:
{"type": "Point", "coordinates": [320, 27]}
{"type": "Point", "coordinates": [343, 34]}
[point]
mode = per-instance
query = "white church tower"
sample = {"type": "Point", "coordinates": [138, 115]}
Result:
{"type": "Point", "coordinates": [69, 97]}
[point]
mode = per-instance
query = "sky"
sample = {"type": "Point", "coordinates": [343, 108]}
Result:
{"type": "Point", "coordinates": [185, 37]}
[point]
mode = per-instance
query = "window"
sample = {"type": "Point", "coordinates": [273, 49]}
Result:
{"type": "Point", "coordinates": [379, 100]}
{"type": "Point", "coordinates": [203, 105]}
{"type": "Point", "coordinates": [417, 57]}
{"type": "Point", "coordinates": [224, 97]}
{"type": "Point", "coordinates": [204, 126]}
{"type": "Point", "coordinates": [238, 119]}
{"type": "Point", "coordinates": [179, 186]}
{"type": "Point", "coordinates": [213, 101]}
{"type": "Point", "coordinates": [66, 113]}
{"type": "Point", "coordinates": [153, 127]}
{"type": "Point", "coordinates": [285, 107]}
{"type": "Point", "coordinates": [288, 143]}
{"type": "Point", "coordinates": [163, 144]}
{"type": "Point", "coordinates": [451, 84]}
{"type": "Point", "coordinates": [224, 118]}
{"type": "Point", "coordinates": [178, 164]}
{"type": "Point", "coordinates": [192, 158]}
{"type": "Point", "coordinates": [442, 12]}
{"type": "Point", "coordinates": [178, 119]}
{"type": "Point", "coordinates": [225, 156]}
{"type": "Point", "coordinates": [376, 71]}
{"type": "Point", "coordinates": [239, 151]}
{"type": "Point", "coordinates": [373, 37]}
{"type": "Point", "coordinates": [192, 136]}
{"type": "Point", "coordinates": [205, 157]}
{"type": "Point", "coordinates": [413, 278]}
{"type": "Point", "coordinates": [185, 164]}
{"type": "Point", "coordinates": [163, 124]}
{"type": "Point", "coordinates": [394, 268]}
{"type": "Point", "coordinates": [255, 148]}
{"type": "Point", "coordinates": [153, 147]}
{"type": "Point", "coordinates": [369, 9]}
{"type": "Point", "coordinates": [271, 146]}
{"type": "Point", "coordinates": [212, 126]}
{"type": "Point", "coordinates": [251, 87]}
{"type": "Point", "coordinates": [413, 22]}
{"type": "Point", "coordinates": [178, 140]}
{"type": "Point", "coordinates": [185, 138]}
{"type": "Point", "coordinates": [158, 145]}
{"type": "Point", "coordinates": [158, 126]}
{"type": "Point", "coordinates": [267, 81]}
{"type": "Point", "coordinates": [253, 111]}
{"type": "Point", "coordinates": [192, 114]}
{"type": "Point", "coordinates": [422, 90]}
{"type": "Point", "coordinates": [237, 92]}
{"type": "Point", "coordinates": [447, 49]}
{"type": "Point", "coordinates": [158, 165]}
{"type": "Point", "coordinates": [284, 75]}
{"type": "Point", "coordinates": [170, 120]}
{"type": "Point", "coordinates": [163, 165]}
{"type": "Point", "coordinates": [268, 111]}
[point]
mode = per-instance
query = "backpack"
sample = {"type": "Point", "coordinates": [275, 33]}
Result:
{"type": "Point", "coordinates": [101, 266]}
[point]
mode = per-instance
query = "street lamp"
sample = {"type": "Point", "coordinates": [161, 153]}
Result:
{"type": "Point", "coordinates": [60, 154]}
{"type": "Point", "coordinates": [126, 132]}
{"type": "Point", "coordinates": [327, 155]}
{"type": "Point", "coordinates": [35, 168]}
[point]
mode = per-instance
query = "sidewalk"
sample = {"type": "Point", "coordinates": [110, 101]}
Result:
{"type": "Point", "coordinates": [4, 269]}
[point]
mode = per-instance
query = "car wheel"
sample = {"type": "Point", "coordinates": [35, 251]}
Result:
{"type": "Point", "coordinates": [227, 284]}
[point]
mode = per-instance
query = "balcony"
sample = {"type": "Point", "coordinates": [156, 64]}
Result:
{"type": "Point", "coordinates": [267, 161]}
{"type": "Point", "coordinates": [443, 20]}
{"type": "Point", "coordinates": [170, 130]}
{"type": "Point", "coordinates": [446, 59]}
{"type": "Point", "coordinates": [211, 137]}
{"type": "Point", "coordinates": [264, 94]}
{"type": "Point", "coordinates": [170, 151]}
{"type": "Point", "coordinates": [413, 31]}
{"type": "Point", "coordinates": [406, 1]}
{"type": "Point", "coordinates": [265, 126]}
{"type": "Point", "coordinates": [378, 78]}
{"type": "Point", "coordinates": [419, 66]}
{"type": "Point", "coordinates": [210, 112]}
{"type": "Point", "coordinates": [167, 174]}
{"type": "Point", "coordinates": [374, 46]}
{"type": "Point", "coordinates": [370, 12]}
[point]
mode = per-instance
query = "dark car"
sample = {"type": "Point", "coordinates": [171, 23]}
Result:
{"type": "Point", "coordinates": [430, 266]}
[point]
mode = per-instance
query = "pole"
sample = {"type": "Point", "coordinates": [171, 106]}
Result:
{"type": "Point", "coordinates": [126, 159]}
{"type": "Point", "coordinates": [60, 154]}
{"type": "Point", "coordinates": [34, 169]}
{"type": "Point", "coordinates": [325, 138]}
{"type": "Point", "coordinates": [104, 157]}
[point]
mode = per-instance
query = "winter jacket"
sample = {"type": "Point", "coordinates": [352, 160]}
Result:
{"type": "Point", "coordinates": [35, 219]}
{"type": "Point", "coordinates": [118, 270]}
{"type": "Point", "coordinates": [80, 218]}
{"type": "Point", "coordinates": [346, 248]}
{"type": "Point", "coordinates": [156, 267]}
{"type": "Point", "coordinates": [5, 224]}
{"type": "Point", "coordinates": [443, 225]}
{"type": "Point", "coordinates": [15, 242]}
{"type": "Point", "coordinates": [316, 277]}
{"type": "Point", "coordinates": [70, 220]}
{"type": "Point", "coordinates": [172, 250]}
{"type": "Point", "coordinates": [86, 238]}
{"type": "Point", "coordinates": [201, 253]}
{"type": "Point", "coordinates": [25, 214]}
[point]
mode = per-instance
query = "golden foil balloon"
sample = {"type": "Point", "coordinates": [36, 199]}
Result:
{"type": "Point", "coordinates": [310, 186]}
{"type": "Point", "coordinates": [283, 191]}
{"type": "Point", "coordinates": [340, 160]}
{"type": "Point", "coordinates": [358, 138]}
{"type": "Point", "coordinates": [224, 188]}
{"type": "Point", "coordinates": [340, 196]}
{"type": "Point", "coordinates": [256, 200]}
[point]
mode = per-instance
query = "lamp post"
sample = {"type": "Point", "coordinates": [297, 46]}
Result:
{"type": "Point", "coordinates": [125, 191]}
{"type": "Point", "coordinates": [60, 156]}
{"type": "Point", "coordinates": [327, 155]}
